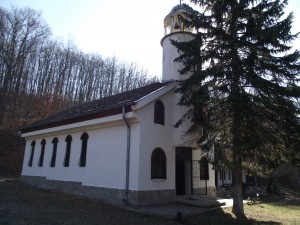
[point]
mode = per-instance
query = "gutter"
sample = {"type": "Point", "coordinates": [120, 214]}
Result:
{"type": "Point", "coordinates": [127, 156]}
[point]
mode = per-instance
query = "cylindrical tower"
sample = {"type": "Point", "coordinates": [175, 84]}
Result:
{"type": "Point", "coordinates": [174, 30]}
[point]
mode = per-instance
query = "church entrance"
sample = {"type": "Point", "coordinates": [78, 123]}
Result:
{"type": "Point", "coordinates": [191, 175]}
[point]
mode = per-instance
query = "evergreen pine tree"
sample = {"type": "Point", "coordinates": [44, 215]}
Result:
{"type": "Point", "coordinates": [244, 89]}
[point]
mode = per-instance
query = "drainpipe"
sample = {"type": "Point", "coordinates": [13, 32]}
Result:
{"type": "Point", "coordinates": [127, 156]}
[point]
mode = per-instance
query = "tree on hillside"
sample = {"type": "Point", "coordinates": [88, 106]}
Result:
{"type": "Point", "coordinates": [244, 88]}
{"type": "Point", "coordinates": [40, 76]}
{"type": "Point", "coordinates": [21, 32]}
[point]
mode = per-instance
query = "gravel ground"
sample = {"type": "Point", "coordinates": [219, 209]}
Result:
{"type": "Point", "coordinates": [23, 204]}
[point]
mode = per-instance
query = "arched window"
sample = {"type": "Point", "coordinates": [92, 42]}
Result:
{"type": "Point", "coordinates": [41, 160]}
{"type": "Point", "coordinates": [84, 138]}
{"type": "Point", "coordinates": [68, 151]}
{"type": "Point", "coordinates": [158, 164]}
{"type": "Point", "coordinates": [31, 154]}
{"type": "Point", "coordinates": [204, 173]}
{"type": "Point", "coordinates": [159, 112]}
{"type": "Point", "coordinates": [53, 158]}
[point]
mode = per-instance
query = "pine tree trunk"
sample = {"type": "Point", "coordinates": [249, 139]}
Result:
{"type": "Point", "coordinates": [238, 207]}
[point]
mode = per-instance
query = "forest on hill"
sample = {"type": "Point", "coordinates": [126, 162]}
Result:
{"type": "Point", "coordinates": [41, 75]}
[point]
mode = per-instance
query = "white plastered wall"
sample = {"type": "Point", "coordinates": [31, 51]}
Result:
{"type": "Point", "coordinates": [170, 52]}
{"type": "Point", "coordinates": [180, 137]}
{"type": "Point", "coordinates": [106, 155]}
{"type": "Point", "coordinates": [156, 136]}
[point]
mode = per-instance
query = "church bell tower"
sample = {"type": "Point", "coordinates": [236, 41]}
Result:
{"type": "Point", "coordinates": [174, 30]}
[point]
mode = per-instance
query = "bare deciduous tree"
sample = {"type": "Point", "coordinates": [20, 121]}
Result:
{"type": "Point", "coordinates": [40, 76]}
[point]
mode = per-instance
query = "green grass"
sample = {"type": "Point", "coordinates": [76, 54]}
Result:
{"type": "Point", "coordinates": [285, 212]}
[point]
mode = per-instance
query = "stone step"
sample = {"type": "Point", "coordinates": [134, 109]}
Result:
{"type": "Point", "coordinates": [199, 202]}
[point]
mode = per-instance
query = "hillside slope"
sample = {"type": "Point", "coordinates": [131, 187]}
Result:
{"type": "Point", "coordinates": [11, 154]}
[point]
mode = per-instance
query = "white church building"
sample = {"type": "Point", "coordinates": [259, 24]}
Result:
{"type": "Point", "coordinates": [123, 148]}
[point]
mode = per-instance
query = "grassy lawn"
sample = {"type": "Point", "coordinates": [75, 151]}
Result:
{"type": "Point", "coordinates": [260, 214]}
{"type": "Point", "coordinates": [284, 213]}
{"type": "Point", "coordinates": [270, 212]}
{"type": "Point", "coordinates": [21, 204]}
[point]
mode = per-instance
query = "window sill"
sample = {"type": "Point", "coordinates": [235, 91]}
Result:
{"type": "Point", "coordinates": [159, 179]}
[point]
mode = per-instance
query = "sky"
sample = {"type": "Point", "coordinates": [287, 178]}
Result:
{"type": "Point", "coordinates": [130, 30]}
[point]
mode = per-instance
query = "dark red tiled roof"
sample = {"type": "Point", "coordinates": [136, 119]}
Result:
{"type": "Point", "coordinates": [103, 107]}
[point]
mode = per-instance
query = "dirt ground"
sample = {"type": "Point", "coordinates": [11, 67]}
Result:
{"type": "Point", "coordinates": [22, 204]}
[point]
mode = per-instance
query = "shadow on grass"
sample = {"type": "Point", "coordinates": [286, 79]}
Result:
{"type": "Point", "coordinates": [287, 200]}
{"type": "Point", "coordinates": [218, 216]}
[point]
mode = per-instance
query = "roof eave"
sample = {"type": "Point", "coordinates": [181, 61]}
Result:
{"type": "Point", "coordinates": [78, 119]}
{"type": "Point", "coordinates": [153, 95]}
